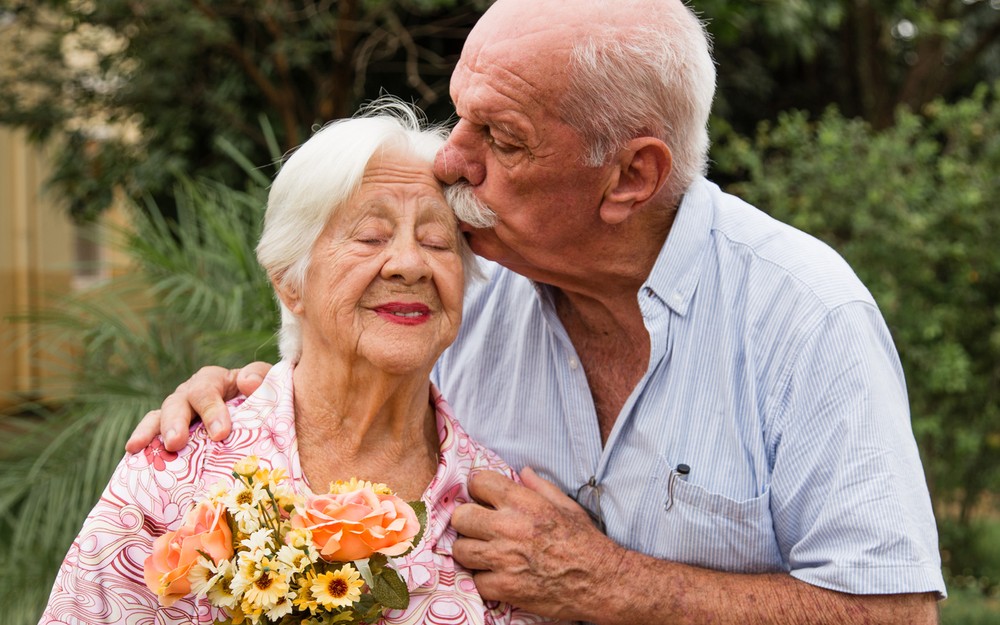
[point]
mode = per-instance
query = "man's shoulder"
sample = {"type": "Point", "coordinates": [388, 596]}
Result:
{"type": "Point", "coordinates": [781, 254]}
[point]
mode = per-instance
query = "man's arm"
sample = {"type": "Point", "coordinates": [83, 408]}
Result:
{"type": "Point", "coordinates": [535, 548]}
{"type": "Point", "coordinates": [204, 394]}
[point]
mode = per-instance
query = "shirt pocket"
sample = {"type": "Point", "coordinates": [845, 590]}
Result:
{"type": "Point", "coordinates": [694, 525]}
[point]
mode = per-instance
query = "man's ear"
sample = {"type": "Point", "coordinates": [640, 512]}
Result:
{"type": "Point", "coordinates": [288, 295]}
{"type": "Point", "coordinates": [641, 168]}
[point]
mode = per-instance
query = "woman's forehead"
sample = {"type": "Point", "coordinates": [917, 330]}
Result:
{"type": "Point", "coordinates": [395, 166]}
{"type": "Point", "coordinates": [393, 184]}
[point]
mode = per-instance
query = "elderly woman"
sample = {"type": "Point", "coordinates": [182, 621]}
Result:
{"type": "Point", "coordinates": [367, 261]}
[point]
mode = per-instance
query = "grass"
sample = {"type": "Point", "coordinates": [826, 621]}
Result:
{"type": "Point", "coordinates": [969, 606]}
{"type": "Point", "coordinates": [973, 568]}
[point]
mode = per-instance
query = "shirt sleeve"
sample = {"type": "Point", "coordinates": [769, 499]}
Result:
{"type": "Point", "coordinates": [850, 504]}
{"type": "Point", "coordinates": [101, 579]}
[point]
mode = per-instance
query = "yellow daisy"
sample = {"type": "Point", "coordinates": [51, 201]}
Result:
{"type": "Point", "coordinates": [218, 492]}
{"type": "Point", "coordinates": [247, 466]}
{"type": "Point", "coordinates": [297, 559]}
{"type": "Point", "coordinates": [337, 589]}
{"type": "Point", "coordinates": [285, 497]}
{"type": "Point", "coordinates": [298, 537]}
{"type": "Point", "coordinates": [248, 569]}
{"type": "Point", "coordinates": [250, 613]}
{"type": "Point", "coordinates": [221, 594]}
{"type": "Point", "coordinates": [304, 601]}
{"type": "Point", "coordinates": [260, 541]}
{"type": "Point", "coordinates": [243, 503]}
{"type": "Point", "coordinates": [206, 574]}
{"type": "Point", "coordinates": [236, 615]}
{"type": "Point", "coordinates": [268, 588]}
{"type": "Point", "coordinates": [270, 478]}
{"type": "Point", "coordinates": [283, 607]}
{"type": "Point", "coordinates": [339, 487]}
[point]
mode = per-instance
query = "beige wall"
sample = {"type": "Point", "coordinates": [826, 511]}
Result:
{"type": "Point", "coordinates": [37, 261]}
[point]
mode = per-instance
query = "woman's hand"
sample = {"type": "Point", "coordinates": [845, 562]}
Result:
{"type": "Point", "coordinates": [204, 394]}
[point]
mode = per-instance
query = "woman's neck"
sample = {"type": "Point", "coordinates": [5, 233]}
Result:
{"type": "Point", "coordinates": [353, 420]}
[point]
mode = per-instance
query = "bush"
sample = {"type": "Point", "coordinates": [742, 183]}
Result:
{"type": "Point", "coordinates": [969, 607]}
{"type": "Point", "coordinates": [913, 209]}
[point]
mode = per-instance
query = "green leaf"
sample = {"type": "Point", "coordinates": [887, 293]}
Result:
{"type": "Point", "coordinates": [390, 590]}
{"type": "Point", "coordinates": [420, 508]}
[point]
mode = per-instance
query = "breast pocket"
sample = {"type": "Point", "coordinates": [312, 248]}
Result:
{"type": "Point", "coordinates": [696, 526]}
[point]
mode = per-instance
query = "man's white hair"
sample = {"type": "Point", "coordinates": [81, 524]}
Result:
{"type": "Point", "coordinates": [320, 177]}
{"type": "Point", "coordinates": [643, 81]}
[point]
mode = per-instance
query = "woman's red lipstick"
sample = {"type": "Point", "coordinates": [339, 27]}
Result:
{"type": "Point", "coordinates": [402, 313]}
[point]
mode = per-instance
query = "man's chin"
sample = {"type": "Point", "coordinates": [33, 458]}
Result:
{"type": "Point", "coordinates": [467, 228]}
{"type": "Point", "coordinates": [479, 242]}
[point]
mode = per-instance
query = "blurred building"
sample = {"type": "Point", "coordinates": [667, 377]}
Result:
{"type": "Point", "coordinates": [43, 255]}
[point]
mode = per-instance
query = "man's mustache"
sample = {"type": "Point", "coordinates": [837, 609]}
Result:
{"type": "Point", "coordinates": [468, 207]}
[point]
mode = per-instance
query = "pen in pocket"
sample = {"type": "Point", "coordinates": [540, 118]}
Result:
{"type": "Point", "coordinates": [680, 473]}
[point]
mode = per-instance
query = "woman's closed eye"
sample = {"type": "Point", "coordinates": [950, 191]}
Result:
{"type": "Point", "coordinates": [372, 237]}
{"type": "Point", "coordinates": [438, 243]}
{"type": "Point", "coordinates": [434, 235]}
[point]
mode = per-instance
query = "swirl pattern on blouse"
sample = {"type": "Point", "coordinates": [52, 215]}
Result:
{"type": "Point", "coordinates": [101, 580]}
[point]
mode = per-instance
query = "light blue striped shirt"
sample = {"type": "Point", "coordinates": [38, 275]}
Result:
{"type": "Point", "coordinates": [771, 375]}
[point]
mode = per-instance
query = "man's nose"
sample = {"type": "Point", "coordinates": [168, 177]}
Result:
{"type": "Point", "coordinates": [460, 158]}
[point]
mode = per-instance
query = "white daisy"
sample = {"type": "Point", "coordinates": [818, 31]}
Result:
{"type": "Point", "coordinates": [206, 574]}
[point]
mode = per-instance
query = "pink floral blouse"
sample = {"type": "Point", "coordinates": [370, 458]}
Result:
{"type": "Point", "coordinates": [101, 580]}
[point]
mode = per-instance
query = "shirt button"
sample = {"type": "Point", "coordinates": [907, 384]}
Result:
{"type": "Point", "coordinates": [573, 363]}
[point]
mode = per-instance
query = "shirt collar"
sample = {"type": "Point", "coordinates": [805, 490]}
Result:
{"type": "Point", "coordinates": [675, 273]}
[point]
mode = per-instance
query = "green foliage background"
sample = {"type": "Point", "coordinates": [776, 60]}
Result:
{"type": "Point", "coordinates": [197, 297]}
{"type": "Point", "coordinates": [911, 207]}
{"type": "Point", "coordinates": [178, 76]}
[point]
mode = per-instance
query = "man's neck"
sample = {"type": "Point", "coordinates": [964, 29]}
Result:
{"type": "Point", "coordinates": [611, 266]}
{"type": "Point", "coordinates": [613, 347]}
{"type": "Point", "coordinates": [601, 315]}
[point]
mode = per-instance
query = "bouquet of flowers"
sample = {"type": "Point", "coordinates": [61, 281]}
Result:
{"type": "Point", "coordinates": [262, 553]}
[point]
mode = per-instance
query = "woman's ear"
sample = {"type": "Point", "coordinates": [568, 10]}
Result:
{"type": "Point", "coordinates": [641, 168]}
{"type": "Point", "coordinates": [288, 295]}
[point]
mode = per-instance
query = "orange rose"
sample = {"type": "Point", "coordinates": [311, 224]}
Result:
{"type": "Point", "coordinates": [204, 529]}
{"type": "Point", "coordinates": [354, 525]}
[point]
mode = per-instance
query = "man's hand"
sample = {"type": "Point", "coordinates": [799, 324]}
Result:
{"type": "Point", "coordinates": [532, 546]}
{"type": "Point", "coordinates": [203, 394]}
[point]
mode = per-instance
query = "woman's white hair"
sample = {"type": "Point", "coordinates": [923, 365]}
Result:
{"type": "Point", "coordinates": [319, 178]}
{"type": "Point", "coordinates": [644, 81]}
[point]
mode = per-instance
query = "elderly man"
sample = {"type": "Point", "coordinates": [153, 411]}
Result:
{"type": "Point", "coordinates": [717, 390]}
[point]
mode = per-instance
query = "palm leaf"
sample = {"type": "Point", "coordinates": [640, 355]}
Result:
{"type": "Point", "coordinates": [197, 296]}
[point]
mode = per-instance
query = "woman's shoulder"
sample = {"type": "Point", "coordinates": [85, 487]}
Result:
{"type": "Point", "coordinates": [271, 403]}
{"type": "Point", "coordinates": [262, 425]}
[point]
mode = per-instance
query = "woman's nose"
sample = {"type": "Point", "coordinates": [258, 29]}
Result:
{"type": "Point", "coordinates": [406, 261]}
{"type": "Point", "coordinates": [460, 157]}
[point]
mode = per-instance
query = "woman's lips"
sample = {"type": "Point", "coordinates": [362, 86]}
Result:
{"type": "Point", "coordinates": [407, 314]}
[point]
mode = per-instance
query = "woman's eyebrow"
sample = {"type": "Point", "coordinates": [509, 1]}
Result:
{"type": "Point", "coordinates": [436, 209]}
